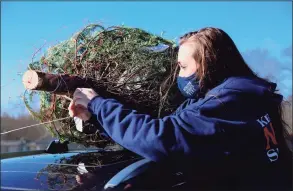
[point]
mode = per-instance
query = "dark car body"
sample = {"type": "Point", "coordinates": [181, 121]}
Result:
{"type": "Point", "coordinates": [61, 171]}
{"type": "Point", "coordinates": [96, 170]}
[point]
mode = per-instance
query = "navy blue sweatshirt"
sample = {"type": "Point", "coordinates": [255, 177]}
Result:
{"type": "Point", "coordinates": [223, 122]}
{"type": "Point", "coordinates": [231, 121]}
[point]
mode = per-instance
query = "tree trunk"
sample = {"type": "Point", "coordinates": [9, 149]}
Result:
{"type": "Point", "coordinates": [61, 84]}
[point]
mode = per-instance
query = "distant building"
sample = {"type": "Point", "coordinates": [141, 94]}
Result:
{"type": "Point", "coordinates": [13, 146]}
{"type": "Point", "coordinates": [24, 145]}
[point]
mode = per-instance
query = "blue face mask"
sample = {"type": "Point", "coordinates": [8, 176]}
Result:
{"type": "Point", "coordinates": [188, 86]}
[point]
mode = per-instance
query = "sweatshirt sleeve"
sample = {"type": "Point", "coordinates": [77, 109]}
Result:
{"type": "Point", "coordinates": [152, 138]}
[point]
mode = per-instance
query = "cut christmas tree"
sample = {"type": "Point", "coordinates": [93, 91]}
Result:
{"type": "Point", "coordinates": [128, 64]}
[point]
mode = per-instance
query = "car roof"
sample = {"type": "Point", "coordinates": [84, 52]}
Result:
{"type": "Point", "coordinates": [60, 171]}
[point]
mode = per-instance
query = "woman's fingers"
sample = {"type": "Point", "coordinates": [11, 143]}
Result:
{"type": "Point", "coordinates": [71, 105]}
{"type": "Point", "coordinates": [86, 93]}
{"type": "Point", "coordinates": [76, 107]}
{"type": "Point", "coordinates": [78, 93]}
{"type": "Point", "coordinates": [71, 109]}
{"type": "Point", "coordinates": [81, 98]}
{"type": "Point", "coordinates": [81, 102]}
{"type": "Point", "coordinates": [81, 92]}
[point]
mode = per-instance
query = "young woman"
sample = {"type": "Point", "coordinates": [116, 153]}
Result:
{"type": "Point", "coordinates": [229, 133]}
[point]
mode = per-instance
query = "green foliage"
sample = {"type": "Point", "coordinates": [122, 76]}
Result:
{"type": "Point", "coordinates": [119, 57]}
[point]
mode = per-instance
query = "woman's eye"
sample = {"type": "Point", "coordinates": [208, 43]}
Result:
{"type": "Point", "coordinates": [181, 66]}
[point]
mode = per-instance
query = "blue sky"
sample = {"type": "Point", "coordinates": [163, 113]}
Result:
{"type": "Point", "coordinates": [261, 30]}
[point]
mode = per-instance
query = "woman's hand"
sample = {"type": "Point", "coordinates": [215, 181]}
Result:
{"type": "Point", "coordinates": [79, 111]}
{"type": "Point", "coordinates": [81, 98]}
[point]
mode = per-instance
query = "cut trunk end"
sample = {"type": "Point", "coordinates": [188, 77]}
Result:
{"type": "Point", "coordinates": [30, 80]}
{"type": "Point", "coordinates": [62, 84]}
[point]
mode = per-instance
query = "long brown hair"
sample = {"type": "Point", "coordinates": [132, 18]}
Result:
{"type": "Point", "coordinates": [218, 59]}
